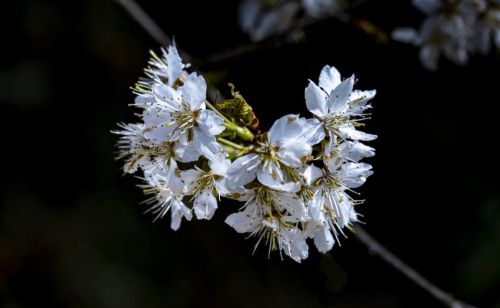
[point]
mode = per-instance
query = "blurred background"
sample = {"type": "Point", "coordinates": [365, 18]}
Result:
{"type": "Point", "coordinates": [72, 230]}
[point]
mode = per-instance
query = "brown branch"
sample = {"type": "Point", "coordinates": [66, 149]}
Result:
{"type": "Point", "coordinates": [374, 247]}
{"type": "Point", "coordinates": [277, 41]}
{"type": "Point", "coordinates": [270, 43]}
{"type": "Point", "coordinates": [146, 22]}
{"type": "Point", "coordinates": [300, 25]}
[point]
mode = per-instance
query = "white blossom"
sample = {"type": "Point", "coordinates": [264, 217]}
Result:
{"type": "Point", "coordinates": [167, 69]}
{"type": "Point", "coordinates": [206, 186]}
{"type": "Point", "coordinates": [133, 146]}
{"type": "Point", "coordinates": [167, 191]}
{"type": "Point", "coordinates": [273, 216]}
{"type": "Point", "coordinates": [286, 146]}
{"type": "Point", "coordinates": [338, 107]}
{"type": "Point", "coordinates": [330, 206]}
{"type": "Point", "coordinates": [486, 31]}
{"type": "Point", "coordinates": [188, 165]}
{"type": "Point", "coordinates": [447, 30]}
{"type": "Point", "coordinates": [180, 115]}
{"type": "Point", "coordinates": [323, 8]}
{"type": "Point", "coordinates": [262, 19]}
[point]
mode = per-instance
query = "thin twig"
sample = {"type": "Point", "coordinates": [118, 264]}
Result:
{"type": "Point", "coordinates": [276, 41]}
{"type": "Point", "coordinates": [270, 43]}
{"type": "Point", "coordinates": [356, 3]}
{"type": "Point", "coordinates": [149, 25]}
{"type": "Point", "coordinates": [376, 248]}
{"type": "Point", "coordinates": [237, 52]}
{"type": "Point", "coordinates": [300, 25]}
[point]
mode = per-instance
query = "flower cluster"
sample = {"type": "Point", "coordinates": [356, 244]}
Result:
{"type": "Point", "coordinates": [265, 18]}
{"type": "Point", "coordinates": [296, 180]}
{"type": "Point", "coordinates": [454, 28]}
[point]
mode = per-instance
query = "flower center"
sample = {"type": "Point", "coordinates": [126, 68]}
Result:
{"type": "Point", "coordinates": [334, 121]}
{"type": "Point", "coordinates": [206, 181]}
{"type": "Point", "coordinates": [332, 181]}
{"type": "Point", "coordinates": [185, 119]}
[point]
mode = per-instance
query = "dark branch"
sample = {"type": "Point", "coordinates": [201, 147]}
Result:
{"type": "Point", "coordinates": [270, 43]}
{"type": "Point", "coordinates": [146, 22]}
{"type": "Point", "coordinates": [374, 247]}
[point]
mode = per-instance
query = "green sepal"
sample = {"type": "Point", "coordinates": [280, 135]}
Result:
{"type": "Point", "coordinates": [238, 110]}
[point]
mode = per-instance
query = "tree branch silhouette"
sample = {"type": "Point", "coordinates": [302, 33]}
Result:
{"type": "Point", "coordinates": [375, 248]}
{"type": "Point", "coordinates": [145, 21]}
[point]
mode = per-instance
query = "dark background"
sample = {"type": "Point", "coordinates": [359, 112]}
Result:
{"type": "Point", "coordinates": [72, 232]}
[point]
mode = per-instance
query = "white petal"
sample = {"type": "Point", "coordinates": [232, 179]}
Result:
{"type": "Point", "coordinates": [175, 222]}
{"type": "Point", "coordinates": [355, 174]}
{"type": "Point", "coordinates": [178, 210]}
{"type": "Point", "coordinates": [243, 170]}
{"type": "Point", "coordinates": [210, 122]}
{"type": "Point", "coordinates": [158, 124]}
{"type": "Point", "coordinates": [275, 22]}
{"type": "Point", "coordinates": [313, 132]}
{"type": "Point", "coordinates": [338, 99]}
{"type": "Point", "coordinates": [329, 78]}
{"type": "Point", "coordinates": [293, 205]}
{"type": "Point", "coordinates": [295, 245]}
{"type": "Point", "coordinates": [291, 129]}
{"type": "Point", "coordinates": [287, 128]}
{"type": "Point", "coordinates": [243, 222]}
{"type": "Point", "coordinates": [187, 151]}
{"type": "Point", "coordinates": [321, 8]}
{"type": "Point", "coordinates": [223, 189]}
{"type": "Point", "coordinates": [294, 154]}
{"type": "Point", "coordinates": [429, 56]}
{"type": "Point", "coordinates": [217, 160]}
{"type": "Point", "coordinates": [315, 100]}
{"type": "Point", "coordinates": [315, 207]}
{"type": "Point", "coordinates": [324, 240]}
{"type": "Point", "coordinates": [405, 35]}
{"type": "Point", "coordinates": [248, 13]}
{"type": "Point", "coordinates": [355, 151]}
{"type": "Point", "coordinates": [153, 117]}
{"type": "Point", "coordinates": [201, 137]}
{"type": "Point", "coordinates": [144, 100]}
{"type": "Point", "coordinates": [267, 179]}
{"type": "Point", "coordinates": [194, 91]}
{"type": "Point", "coordinates": [348, 131]}
{"type": "Point", "coordinates": [174, 65]}
{"type": "Point", "coordinates": [270, 174]}
{"type": "Point", "coordinates": [359, 100]}
{"type": "Point", "coordinates": [427, 6]}
{"type": "Point", "coordinates": [212, 151]}
{"type": "Point", "coordinates": [167, 97]}
{"type": "Point", "coordinates": [312, 174]}
{"type": "Point", "coordinates": [175, 182]}
{"type": "Point", "coordinates": [205, 204]}
{"type": "Point", "coordinates": [353, 216]}
{"type": "Point", "coordinates": [358, 95]}
{"type": "Point", "coordinates": [331, 156]}
{"type": "Point", "coordinates": [190, 178]}
{"type": "Point", "coordinates": [290, 134]}
{"type": "Point", "coordinates": [344, 209]}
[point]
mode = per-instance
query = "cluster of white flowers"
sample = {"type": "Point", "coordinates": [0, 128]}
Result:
{"type": "Point", "coordinates": [265, 18]}
{"type": "Point", "coordinates": [296, 180]}
{"type": "Point", "coordinates": [454, 28]}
